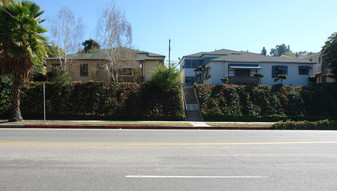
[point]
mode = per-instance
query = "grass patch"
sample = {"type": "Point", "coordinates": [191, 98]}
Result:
{"type": "Point", "coordinates": [240, 124]}
{"type": "Point", "coordinates": [98, 123]}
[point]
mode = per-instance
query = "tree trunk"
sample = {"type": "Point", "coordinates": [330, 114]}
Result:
{"type": "Point", "coordinates": [15, 112]}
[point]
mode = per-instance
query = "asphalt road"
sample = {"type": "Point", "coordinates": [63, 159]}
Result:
{"type": "Point", "coordinates": [65, 159]}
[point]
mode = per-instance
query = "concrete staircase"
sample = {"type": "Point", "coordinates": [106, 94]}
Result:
{"type": "Point", "coordinates": [192, 108]}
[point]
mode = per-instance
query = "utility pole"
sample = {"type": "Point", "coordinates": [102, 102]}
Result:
{"type": "Point", "coordinates": [44, 102]}
{"type": "Point", "coordinates": [169, 53]}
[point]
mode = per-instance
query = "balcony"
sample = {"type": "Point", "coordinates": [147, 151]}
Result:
{"type": "Point", "coordinates": [242, 80]}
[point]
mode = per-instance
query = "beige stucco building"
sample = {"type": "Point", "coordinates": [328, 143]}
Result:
{"type": "Point", "coordinates": [89, 66]}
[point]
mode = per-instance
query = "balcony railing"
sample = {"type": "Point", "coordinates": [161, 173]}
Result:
{"type": "Point", "coordinates": [242, 80]}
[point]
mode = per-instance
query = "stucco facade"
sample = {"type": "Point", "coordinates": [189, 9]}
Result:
{"type": "Point", "coordinates": [85, 67]}
{"type": "Point", "coordinates": [240, 68]}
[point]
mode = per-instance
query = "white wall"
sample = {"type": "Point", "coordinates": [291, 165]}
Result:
{"type": "Point", "coordinates": [189, 72]}
{"type": "Point", "coordinates": [218, 71]}
{"type": "Point", "coordinates": [186, 72]}
{"type": "Point", "coordinates": [294, 78]}
{"type": "Point", "coordinates": [182, 75]}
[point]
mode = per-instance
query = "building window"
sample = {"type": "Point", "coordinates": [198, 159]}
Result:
{"type": "Point", "coordinates": [84, 70]}
{"type": "Point", "coordinates": [189, 63]}
{"type": "Point", "coordinates": [126, 72]}
{"type": "Point", "coordinates": [276, 70]}
{"type": "Point", "coordinates": [304, 70]}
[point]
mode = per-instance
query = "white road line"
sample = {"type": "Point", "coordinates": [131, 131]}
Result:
{"type": "Point", "coordinates": [197, 177]}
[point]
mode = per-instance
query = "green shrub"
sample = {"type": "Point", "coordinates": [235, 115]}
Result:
{"type": "Point", "coordinates": [59, 77]}
{"type": "Point", "coordinates": [167, 79]}
{"type": "Point", "coordinates": [224, 80]}
{"type": "Point", "coordinates": [93, 100]}
{"type": "Point", "coordinates": [36, 73]}
{"type": "Point", "coordinates": [265, 103]}
{"type": "Point", "coordinates": [6, 84]}
{"type": "Point", "coordinates": [306, 125]}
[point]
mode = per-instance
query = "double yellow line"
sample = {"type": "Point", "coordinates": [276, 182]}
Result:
{"type": "Point", "coordinates": [168, 144]}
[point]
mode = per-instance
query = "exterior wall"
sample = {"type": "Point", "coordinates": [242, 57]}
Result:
{"type": "Point", "coordinates": [74, 69]}
{"type": "Point", "coordinates": [294, 79]}
{"type": "Point", "coordinates": [186, 71]}
{"type": "Point", "coordinates": [93, 66]}
{"type": "Point", "coordinates": [182, 75]}
{"type": "Point", "coordinates": [208, 80]}
{"type": "Point", "coordinates": [218, 71]}
{"type": "Point", "coordinates": [148, 68]}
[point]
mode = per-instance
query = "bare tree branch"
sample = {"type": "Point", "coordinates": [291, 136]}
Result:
{"type": "Point", "coordinates": [114, 33]}
{"type": "Point", "coordinates": [67, 32]}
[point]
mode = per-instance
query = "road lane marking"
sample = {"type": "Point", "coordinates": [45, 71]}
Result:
{"type": "Point", "coordinates": [197, 177]}
{"type": "Point", "coordinates": [170, 144]}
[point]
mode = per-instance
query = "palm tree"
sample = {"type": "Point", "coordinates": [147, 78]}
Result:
{"type": "Point", "coordinates": [20, 44]}
{"type": "Point", "coordinates": [4, 2]}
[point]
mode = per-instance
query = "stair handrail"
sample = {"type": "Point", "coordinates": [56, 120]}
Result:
{"type": "Point", "coordinates": [196, 97]}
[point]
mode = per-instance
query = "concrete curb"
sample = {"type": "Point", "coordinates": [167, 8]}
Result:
{"type": "Point", "coordinates": [12, 126]}
{"type": "Point", "coordinates": [133, 127]}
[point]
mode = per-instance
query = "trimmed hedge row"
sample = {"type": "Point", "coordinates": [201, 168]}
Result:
{"type": "Point", "coordinates": [266, 103]}
{"type": "Point", "coordinates": [6, 84]}
{"type": "Point", "coordinates": [306, 125]}
{"type": "Point", "coordinates": [93, 100]}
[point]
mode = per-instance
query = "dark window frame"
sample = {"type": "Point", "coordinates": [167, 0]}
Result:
{"type": "Point", "coordinates": [276, 70]}
{"type": "Point", "coordinates": [303, 71]}
{"type": "Point", "coordinates": [84, 70]}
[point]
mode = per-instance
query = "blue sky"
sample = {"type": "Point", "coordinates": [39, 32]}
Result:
{"type": "Point", "coordinates": [199, 25]}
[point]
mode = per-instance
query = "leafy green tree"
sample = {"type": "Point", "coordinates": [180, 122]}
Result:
{"type": "Point", "coordinates": [53, 51]}
{"type": "Point", "coordinates": [264, 51]}
{"type": "Point", "coordinates": [259, 76]}
{"type": "Point", "coordinates": [165, 78]}
{"type": "Point", "coordinates": [37, 72]}
{"type": "Point", "coordinates": [59, 77]}
{"type": "Point", "coordinates": [90, 45]}
{"type": "Point", "coordinates": [20, 44]}
{"type": "Point", "coordinates": [329, 53]}
{"type": "Point", "coordinates": [282, 77]}
{"type": "Point", "coordinates": [280, 50]}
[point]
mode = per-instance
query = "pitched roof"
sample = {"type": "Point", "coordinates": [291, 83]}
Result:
{"type": "Point", "coordinates": [311, 57]}
{"type": "Point", "coordinates": [102, 54]}
{"type": "Point", "coordinates": [216, 52]}
{"type": "Point", "coordinates": [252, 57]}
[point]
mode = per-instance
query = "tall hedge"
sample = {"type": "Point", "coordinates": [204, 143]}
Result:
{"type": "Point", "coordinates": [267, 103]}
{"type": "Point", "coordinates": [93, 100]}
{"type": "Point", "coordinates": [6, 84]}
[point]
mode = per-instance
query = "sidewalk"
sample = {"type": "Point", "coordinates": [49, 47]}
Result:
{"type": "Point", "coordinates": [95, 124]}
